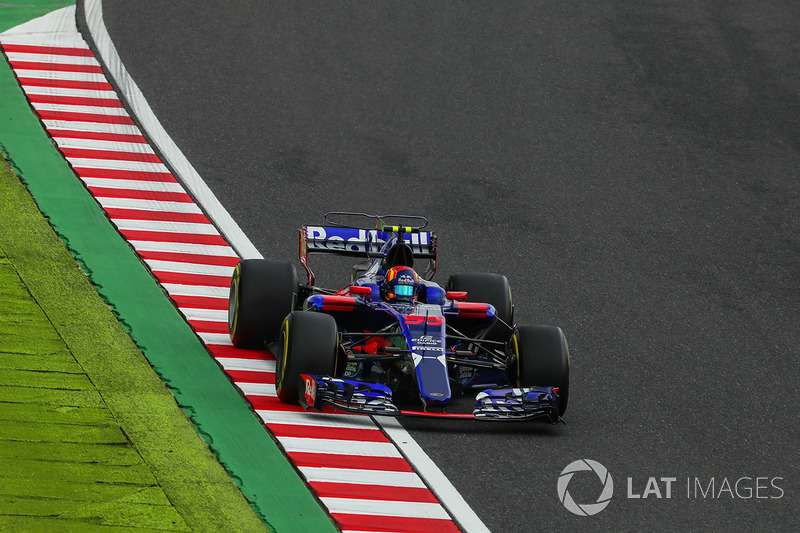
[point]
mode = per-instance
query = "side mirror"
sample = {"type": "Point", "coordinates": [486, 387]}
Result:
{"type": "Point", "coordinates": [360, 289]}
{"type": "Point", "coordinates": [457, 295]}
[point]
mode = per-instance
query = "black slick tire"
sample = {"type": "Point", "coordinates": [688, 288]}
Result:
{"type": "Point", "coordinates": [542, 360]}
{"type": "Point", "coordinates": [262, 293]}
{"type": "Point", "coordinates": [309, 344]}
{"type": "Point", "coordinates": [492, 289]}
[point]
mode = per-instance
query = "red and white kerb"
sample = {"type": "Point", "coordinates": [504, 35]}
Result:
{"type": "Point", "coordinates": [357, 472]}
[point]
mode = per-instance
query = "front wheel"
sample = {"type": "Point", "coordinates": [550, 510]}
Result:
{"type": "Point", "coordinates": [542, 360]}
{"type": "Point", "coordinates": [309, 345]}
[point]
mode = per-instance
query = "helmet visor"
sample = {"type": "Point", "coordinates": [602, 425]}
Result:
{"type": "Point", "coordinates": [404, 290]}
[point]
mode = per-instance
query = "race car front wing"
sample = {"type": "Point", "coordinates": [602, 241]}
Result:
{"type": "Point", "coordinates": [502, 404]}
{"type": "Point", "coordinates": [347, 395]}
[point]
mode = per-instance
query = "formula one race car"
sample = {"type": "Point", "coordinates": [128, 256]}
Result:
{"type": "Point", "coordinates": [392, 337]}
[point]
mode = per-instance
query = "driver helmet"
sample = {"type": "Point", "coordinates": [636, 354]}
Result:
{"type": "Point", "coordinates": [402, 284]}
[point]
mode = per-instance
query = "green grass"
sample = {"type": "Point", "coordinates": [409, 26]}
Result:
{"type": "Point", "coordinates": [218, 412]}
{"type": "Point", "coordinates": [18, 11]}
{"type": "Point", "coordinates": [90, 438]}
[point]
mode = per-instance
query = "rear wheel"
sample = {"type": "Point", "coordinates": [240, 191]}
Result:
{"type": "Point", "coordinates": [492, 289]}
{"type": "Point", "coordinates": [262, 293]}
{"type": "Point", "coordinates": [309, 345]}
{"type": "Point", "coordinates": [542, 357]}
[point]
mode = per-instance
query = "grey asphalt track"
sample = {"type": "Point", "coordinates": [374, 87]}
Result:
{"type": "Point", "coordinates": [633, 167]}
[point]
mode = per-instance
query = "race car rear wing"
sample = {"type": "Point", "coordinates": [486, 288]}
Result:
{"type": "Point", "coordinates": [360, 242]}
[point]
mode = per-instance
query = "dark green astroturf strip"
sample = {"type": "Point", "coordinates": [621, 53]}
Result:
{"type": "Point", "coordinates": [73, 387]}
{"type": "Point", "coordinates": [221, 416]}
{"type": "Point", "coordinates": [47, 412]}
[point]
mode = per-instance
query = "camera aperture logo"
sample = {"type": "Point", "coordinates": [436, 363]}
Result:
{"type": "Point", "coordinates": [747, 487]}
{"type": "Point", "coordinates": [585, 509]}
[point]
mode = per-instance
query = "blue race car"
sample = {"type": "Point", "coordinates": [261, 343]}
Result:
{"type": "Point", "coordinates": [393, 342]}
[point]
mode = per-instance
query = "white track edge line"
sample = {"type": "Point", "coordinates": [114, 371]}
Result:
{"type": "Point", "coordinates": [433, 476]}
{"type": "Point", "coordinates": [450, 498]}
{"type": "Point", "coordinates": [93, 11]}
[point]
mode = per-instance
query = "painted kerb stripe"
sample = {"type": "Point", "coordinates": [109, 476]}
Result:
{"type": "Point", "coordinates": [219, 412]}
{"type": "Point", "coordinates": [344, 494]}
{"type": "Point", "coordinates": [447, 494]}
